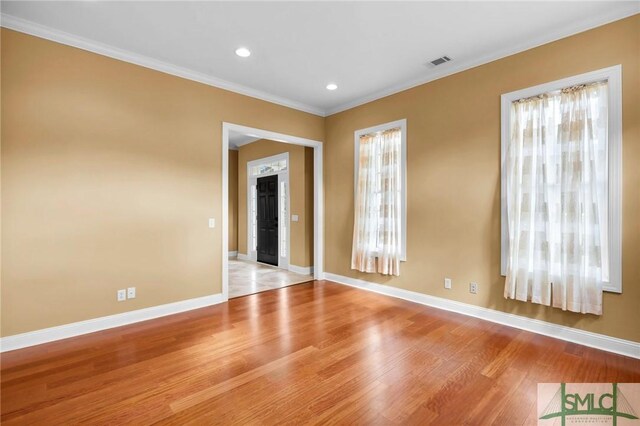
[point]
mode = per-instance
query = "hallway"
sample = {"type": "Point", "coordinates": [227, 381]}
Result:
{"type": "Point", "coordinates": [250, 277]}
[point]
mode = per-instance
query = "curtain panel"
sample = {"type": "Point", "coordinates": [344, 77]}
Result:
{"type": "Point", "coordinates": [377, 222]}
{"type": "Point", "coordinates": [557, 192]}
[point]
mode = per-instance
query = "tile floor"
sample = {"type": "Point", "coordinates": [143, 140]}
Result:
{"type": "Point", "coordinates": [251, 277]}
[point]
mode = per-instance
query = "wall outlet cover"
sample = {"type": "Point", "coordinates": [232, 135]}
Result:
{"type": "Point", "coordinates": [131, 293]}
{"type": "Point", "coordinates": [122, 295]}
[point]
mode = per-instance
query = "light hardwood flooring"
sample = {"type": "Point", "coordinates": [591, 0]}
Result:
{"type": "Point", "coordinates": [252, 277]}
{"type": "Point", "coordinates": [313, 353]}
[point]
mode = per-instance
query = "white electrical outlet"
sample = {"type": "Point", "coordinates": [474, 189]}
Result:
{"type": "Point", "coordinates": [131, 293]}
{"type": "Point", "coordinates": [447, 283]}
{"type": "Point", "coordinates": [122, 295]}
{"type": "Point", "coordinates": [473, 288]}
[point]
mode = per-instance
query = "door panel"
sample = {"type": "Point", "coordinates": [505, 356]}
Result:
{"type": "Point", "coordinates": [267, 196]}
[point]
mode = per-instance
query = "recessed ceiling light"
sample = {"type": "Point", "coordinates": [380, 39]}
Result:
{"type": "Point", "coordinates": [243, 52]}
{"type": "Point", "coordinates": [332, 86]}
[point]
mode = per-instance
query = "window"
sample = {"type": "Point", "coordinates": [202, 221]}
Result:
{"type": "Point", "coordinates": [254, 218]}
{"type": "Point", "coordinates": [561, 191]}
{"type": "Point", "coordinates": [270, 167]}
{"type": "Point", "coordinates": [283, 223]}
{"type": "Point", "coordinates": [380, 198]}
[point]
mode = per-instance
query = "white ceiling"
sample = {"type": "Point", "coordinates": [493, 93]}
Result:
{"type": "Point", "coordinates": [370, 49]}
{"type": "Point", "coordinates": [236, 140]}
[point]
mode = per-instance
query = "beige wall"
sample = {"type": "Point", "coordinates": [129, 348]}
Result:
{"type": "Point", "coordinates": [110, 171]}
{"type": "Point", "coordinates": [109, 174]}
{"type": "Point", "coordinates": [453, 139]}
{"type": "Point", "coordinates": [301, 184]}
{"type": "Point", "coordinates": [233, 200]}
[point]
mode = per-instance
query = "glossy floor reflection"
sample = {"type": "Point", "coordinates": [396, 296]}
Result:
{"type": "Point", "coordinates": [314, 353]}
{"type": "Point", "coordinates": [250, 277]}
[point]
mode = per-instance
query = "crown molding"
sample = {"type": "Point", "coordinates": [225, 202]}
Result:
{"type": "Point", "coordinates": [632, 8]}
{"type": "Point", "coordinates": [31, 28]}
{"type": "Point", "coordinates": [48, 33]}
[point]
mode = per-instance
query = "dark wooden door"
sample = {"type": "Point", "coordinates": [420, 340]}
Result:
{"type": "Point", "coordinates": [267, 197]}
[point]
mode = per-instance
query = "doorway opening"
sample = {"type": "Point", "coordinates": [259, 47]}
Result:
{"type": "Point", "coordinates": [268, 205]}
{"type": "Point", "coordinates": [272, 210]}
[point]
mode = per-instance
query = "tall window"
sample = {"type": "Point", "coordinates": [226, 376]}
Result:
{"type": "Point", "coordinates": [561, 192]}
{"type": "Point", "coordinates": [379, 235]}
{"type": "Point", "coordinates": [254, 218]}
{"type": "Point", "coordinates": [283, 222]}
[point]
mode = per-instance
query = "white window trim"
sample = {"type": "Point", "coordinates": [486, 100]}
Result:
{"type": "Point", "coordinates": [614, 76]}
{"type": "Point", "coordinates": [283, 176]}
{"type": "Point", "coordinates": [402, 124]}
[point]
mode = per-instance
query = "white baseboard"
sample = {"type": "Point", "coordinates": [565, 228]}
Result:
{"type": "Point", "coordinates": [233, 254]}
{"type": "Point", "coordinates": [45, 335]}
{"type": "Point", "coordinates": [594, 340]}
{"type": "Point", "coordinates": [304, 270]}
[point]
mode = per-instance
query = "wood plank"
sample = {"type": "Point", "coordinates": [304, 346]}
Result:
{"type": "Point", "coordinates": [316, 352]}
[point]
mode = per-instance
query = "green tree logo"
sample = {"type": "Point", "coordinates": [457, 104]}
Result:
{"type": "Point", "coordinates": [612, 404]}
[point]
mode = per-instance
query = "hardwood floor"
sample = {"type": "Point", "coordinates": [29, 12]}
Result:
{"type": "Point", "coordinates": [312, 353]}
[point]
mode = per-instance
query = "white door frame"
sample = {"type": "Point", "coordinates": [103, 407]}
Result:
{"type": "Point", "coordinates": [318, 195]}
{"type": "Point", "coordinates": [283, 176]}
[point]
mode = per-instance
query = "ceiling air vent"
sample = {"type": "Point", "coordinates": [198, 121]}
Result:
{"type": "Point", "coordinates": [441, 60]}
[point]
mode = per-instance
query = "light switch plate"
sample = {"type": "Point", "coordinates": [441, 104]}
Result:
{"type": "Point", "coordinates": [131, 293]}
{"type": "Point", "coordinates": [212, 222]}
{"type": "Point", "coordinates": [294, 218]}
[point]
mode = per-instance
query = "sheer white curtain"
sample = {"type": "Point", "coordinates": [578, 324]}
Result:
{"type": "Point", "coordinates": [377, 225]}
{"type": "Point", "coordinates": [557, 196]}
